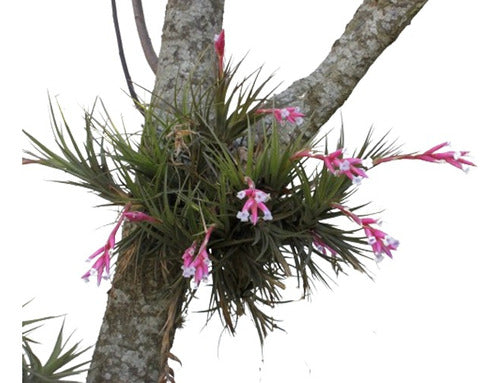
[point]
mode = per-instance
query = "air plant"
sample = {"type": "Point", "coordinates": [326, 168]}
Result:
{"type": "Point", "coordinates": [213, 171]}
{"type": "Point", "coordinates": [61, 362]}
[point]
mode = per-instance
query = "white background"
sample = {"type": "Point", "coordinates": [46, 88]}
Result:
{"type": "Point", "coordinates": [430, 315]}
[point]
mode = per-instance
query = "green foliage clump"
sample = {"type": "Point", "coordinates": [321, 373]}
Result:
{"type": "Point", "coordinates": [61, 362]}
{"type": "Point", "coordinates": [185, 170]}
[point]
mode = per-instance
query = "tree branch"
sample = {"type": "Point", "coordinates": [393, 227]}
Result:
{"type": "Point", "coordinates": [374, 26]}
{"type": "Point", "coordinates": [142, 31]}
{"type": "Point", "coordinates": [123, 61]}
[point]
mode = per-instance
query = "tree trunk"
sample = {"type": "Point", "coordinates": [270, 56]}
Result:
{"type": "Point", "coordinates": [129, 346]}
{"type": "Point", "coordinates": [141, 318]}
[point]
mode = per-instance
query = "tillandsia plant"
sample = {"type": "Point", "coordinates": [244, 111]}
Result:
{"type": "Point", "coordinates": [61, 362]}
{"type": "Point", "coordinates": [214, 196]}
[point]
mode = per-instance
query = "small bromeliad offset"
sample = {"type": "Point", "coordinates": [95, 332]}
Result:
{"type": "Point", "coordinates": [255, 202]}
{"type": "Point", "coordinates": [197, 265]}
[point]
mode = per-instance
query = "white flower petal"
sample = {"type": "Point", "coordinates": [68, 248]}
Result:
{"type": "Point", "coordinates": [357, 180]}
{"type": "Point", "coordinates": [389, 241]}
{"type": "Point", "coordinates": [267, 216]}
{"type": "Point", "coordinates": [284, 113]}
{"type": "Point", "coordinates": [261, 196]}
{"type": "Point", "coordinates": [345, 166]}
{"type": "Point", "coordinates": [241, 194]}
{"type": "Point", "coordinates": [243, 216]}
{"type": "Point", "coordinates": [367, 163]}
{"type": "Point", "coordinates": [188, 271]}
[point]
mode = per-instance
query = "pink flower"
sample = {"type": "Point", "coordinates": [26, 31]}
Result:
{"type": "Point", "coordinates": [377, 239]}
{"type": "Point", "coordinates": [137, 216]}
{"type": "Point", "coordinates": [197, 266]}
{"type": "Point", "coordinates": [219, 43]}
{"type": "Point", "coordinates": [290, 114]}
{"type": "Point", "coordinates": [254, 203]}
{"type": "Point", "coordinates": [351, 167]}
{"type": "Point", "coordinates": [454, 158]}
{"type": "Point", "coordinates": [101, 266]}
{"type": "Point", "coordinates": [188, 257]}
{"type": "Point", "coordinates": [321, 246]}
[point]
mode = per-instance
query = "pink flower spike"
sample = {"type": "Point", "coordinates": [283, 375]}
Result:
{"type": "Point", "coordinates": [255, 201]}
{"type": "Point", "coordinates": [380, 242]}
{"type": "Point", "coordinates": [350, 167]}
{"type": "Point", "coordinates": [101, 267]}
{"type": "Point", "coordinates": [454, 158]}
{"type": "Point", "coordinates": [198, 266]}
{"type": "Point", "coordinates": [138, 216]}
{"type": "Point", "coordinates": [437, 147]}
{"type": "Point", "coordinates": [302, 153]}
{"type": "Point", "coordinates": [291, 114]}
{"type": "Point", "coordinates": [322, 247]}
{"type": "Point", "coordinates": [219, 44]}
{"type": "Point", "coordinates": [188, 257]}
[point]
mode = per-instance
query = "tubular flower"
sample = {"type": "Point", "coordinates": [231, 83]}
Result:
{"type": "Point", "coordinates": [197, 266]}
{"type": "Point", "coordinates": [454, 158]}
{"type": "Point", "coordinates": [219, 43]}
{"type": "Point", "coordinates": [377, 239]}
{"type": "Point", "coordinates": [321, 246]}
{"type": "Point", "coordinates": [351, 167]}
{"type": "Point", "coordinates": [101, 266]}
{"type": "Point", "coordinates": [138, 216]}
{"type": "Point", "coordinates": [254, 203]}
{"type": "Point", "coordinates": [290, 114]}
{"type": "Point", "coordinates": [188, 269]}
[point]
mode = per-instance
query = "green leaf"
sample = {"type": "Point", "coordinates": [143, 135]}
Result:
{"type": "Point", "coordinates": [61, 362]}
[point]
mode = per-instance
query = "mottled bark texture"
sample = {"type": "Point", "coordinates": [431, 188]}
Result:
{"type": "Point", "coordinates": [186, 53]}
{"type": "Point", "coordinates": [140, 320]}
{"type": "Point", "coordinates": [129, 344]}
{"type": "Point", "coordinates": [375, 25]}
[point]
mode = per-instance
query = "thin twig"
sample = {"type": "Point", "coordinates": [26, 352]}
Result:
{"type": "Point", "coordinates": [142, 30]}
{"type": "Point", "coordinates": [130, 84]}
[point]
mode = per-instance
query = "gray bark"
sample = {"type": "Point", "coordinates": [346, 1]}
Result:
{"type": "Point", "coordinates": [140, 321]}
{"type": "Point", "coordinates": [375, 25]}
{"type": "Point", "coordinates": [128, 346]}
{"type": "Point", "coordinates": [186, 52]}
